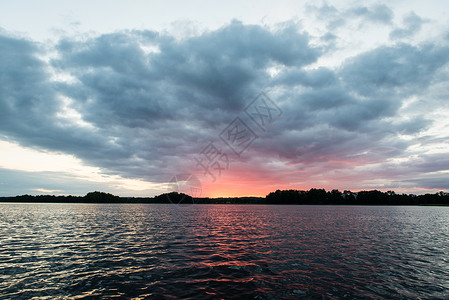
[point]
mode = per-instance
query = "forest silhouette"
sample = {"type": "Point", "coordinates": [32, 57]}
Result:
{"type": "Point", "coordinates": [296, 197]}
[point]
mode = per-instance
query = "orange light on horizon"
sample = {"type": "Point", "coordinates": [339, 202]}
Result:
{"type": "Point", "coordinates": [234, 188]}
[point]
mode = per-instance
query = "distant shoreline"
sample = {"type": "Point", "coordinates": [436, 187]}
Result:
{"type": "Point", "coordinates": [284, 197]}
{"type": "Point", "coordinates": [429, 205]}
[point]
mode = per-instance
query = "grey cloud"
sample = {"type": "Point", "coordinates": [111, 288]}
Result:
{"type": "Point", "coordinates": [412, 25]}
{"type": "Point", "coordinates": [316, 78]}
{"type": "Point", "coordinates": [430, 163]}
{"type": "Point", "coordinates": [358, 116]}
{"type": "Point", "coordinates": [326, 98]}
{"type": "Point", "coordinates": [377, 13]}
{"type": "Point", "coordinates": [336, 18]}
{"type": "Point", "coordinates": [325, 10]}
{"type": "Point", "coordinates": [329, 40]}
{"type": "Point", "coordinates": [27, 99]}
{"type": "Point", "coordinates": [429, 182]}
{"type": "Point", "coordinates": [412, 126]}
{"type": "Point", "coordinates": [211, 70]}
{"type": "Point", "coordinates": [422, 171]}
{"type": "Point", "coordinates": [227, 62]}
{"type": "Point", "coordinates": [402, 69]}
{"type": "Point", "coordinates": [24, 87]}
{"type": "Point", "coordinates": [324, 143]}
{"type": "Point", "coordinates": [330, 124]}
{"type": "Point", "coordinates": [360, 103]}
{"type": "Point", "coordinates": [148, 112]}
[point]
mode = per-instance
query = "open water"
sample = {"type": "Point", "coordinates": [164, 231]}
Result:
{"type": "Point", "coordinates": [155, 251]}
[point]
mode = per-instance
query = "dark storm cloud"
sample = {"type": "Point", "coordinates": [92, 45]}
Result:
{"type": "Point", "coordinates": [28, 102]}
{"type": "Point", "coordinates": [148, 101]}
{"type": "Point", "coordinates": [24, 86]}
{"type": "Point", "coordinates": [209, 71]}
{"type": "Point", "coordinates": [146, 110]}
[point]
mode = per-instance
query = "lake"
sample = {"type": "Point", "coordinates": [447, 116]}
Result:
{"type": "Point", "coordinates": [223, 251]}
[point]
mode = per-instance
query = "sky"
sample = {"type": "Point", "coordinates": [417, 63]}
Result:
{"type": "Point", "coordinates": [221, 99]}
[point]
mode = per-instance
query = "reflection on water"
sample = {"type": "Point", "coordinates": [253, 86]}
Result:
{"type": "Point", "coordinates": [223, 251]}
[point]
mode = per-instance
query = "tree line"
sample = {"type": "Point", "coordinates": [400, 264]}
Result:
{"type": "Point", "coordinates": [373, 197]}
{"type": "Point", "coordinates": [311, 197]}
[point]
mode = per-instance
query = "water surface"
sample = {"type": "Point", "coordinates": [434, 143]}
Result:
{"type": "Point", "coordinates": [223, 251]}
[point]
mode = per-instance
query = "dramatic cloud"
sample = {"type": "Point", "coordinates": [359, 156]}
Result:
{"type": "Point", "coordinates": [141, 97]}
{"type": "Point", "coordinates": [143, 104]}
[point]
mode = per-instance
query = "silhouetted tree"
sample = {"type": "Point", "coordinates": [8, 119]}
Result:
{"type": "Point", "coordinates": [101, 197]}
{"type": "Point", "coordinates": [173, 197]}
{"type": "Point", "coordinates": [335, 197]}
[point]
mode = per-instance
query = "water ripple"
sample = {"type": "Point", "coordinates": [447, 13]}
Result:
{"type": "Point", "coordinates": [88, 251]}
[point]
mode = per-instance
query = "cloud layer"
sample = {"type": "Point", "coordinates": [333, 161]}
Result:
{"type": "Point", "coordinates": [141, 104]}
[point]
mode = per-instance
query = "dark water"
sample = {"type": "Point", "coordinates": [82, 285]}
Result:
{"type": "Point", "coordinates": [223, 251]}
